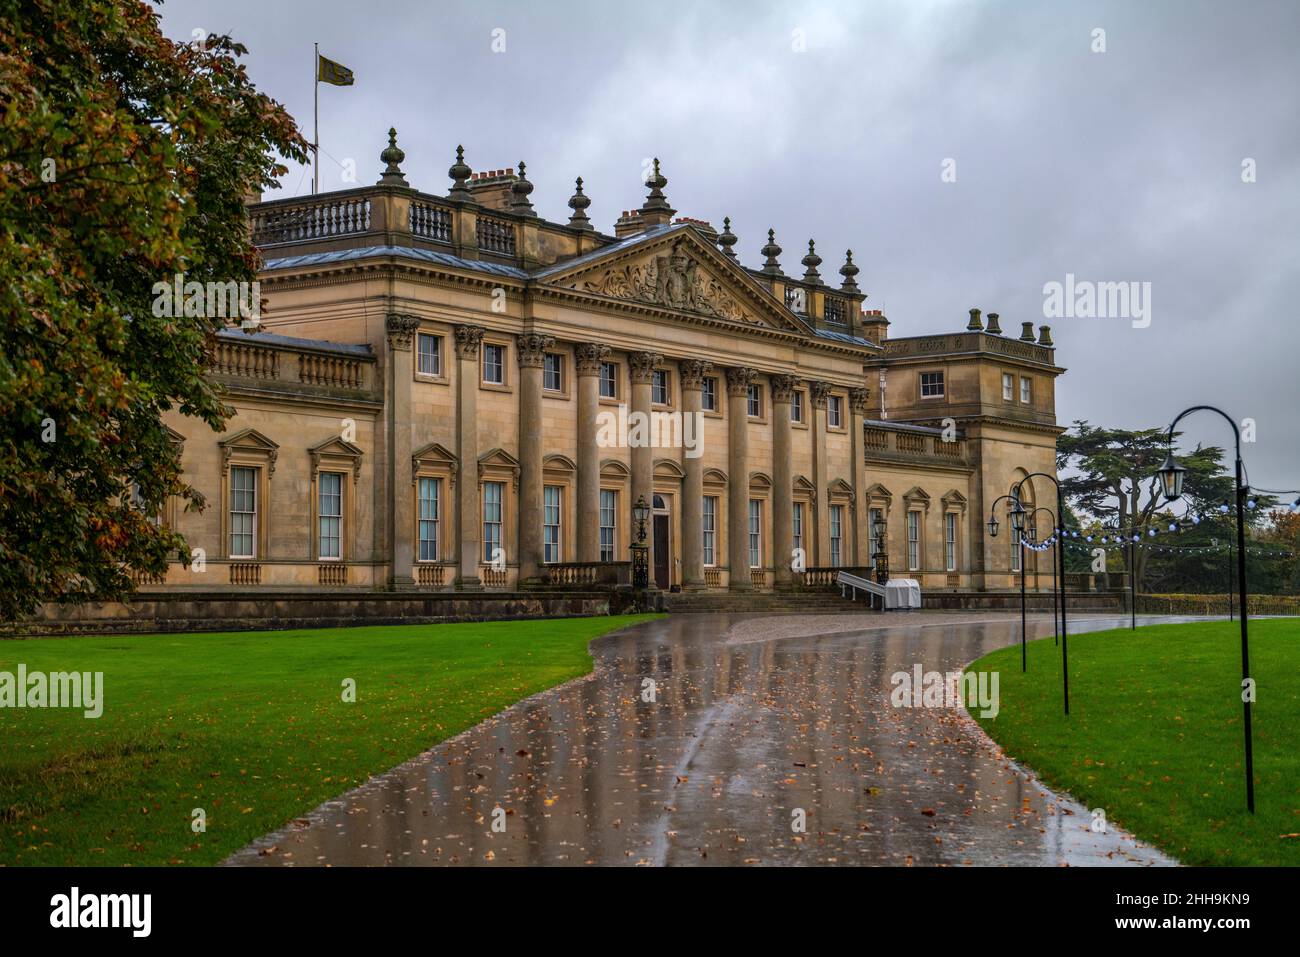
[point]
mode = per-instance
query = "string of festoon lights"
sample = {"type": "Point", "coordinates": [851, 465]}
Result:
{"type": "Point", "coordinates": [1122, 538]}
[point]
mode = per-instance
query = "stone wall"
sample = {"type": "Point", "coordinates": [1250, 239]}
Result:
{"type": "Point", "coordinates": [196, 611]}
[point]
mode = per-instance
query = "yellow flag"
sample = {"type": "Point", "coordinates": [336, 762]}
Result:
{"type": "Point", "coordinates": [327, 71]}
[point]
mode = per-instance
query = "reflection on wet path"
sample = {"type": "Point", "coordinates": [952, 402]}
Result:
{"type": "Point", "coordinates": [744, 733]}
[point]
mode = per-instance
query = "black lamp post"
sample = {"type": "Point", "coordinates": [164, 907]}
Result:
{"type": "Point", "coordinates": [1060, 561]}
{"type": "Point", "coordinates": [1171, 482]}
{"type": "Point", "coordinates": [881, 551]}
{"type": "Point", "coordinates": [640, 550]}
{"type": "Point", "coordinates": [1017, 526]}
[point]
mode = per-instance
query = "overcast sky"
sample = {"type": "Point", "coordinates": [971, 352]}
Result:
{"type": "Point", "coordinates": [834, 121]}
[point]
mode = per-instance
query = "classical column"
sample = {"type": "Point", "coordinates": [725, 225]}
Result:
{"type": "Point", "coordinates": [589, 357]}
{"type": "Point", "coordinates": [782, 479]}
{"type": "Point", "coordinates": [861, 507]}
{"type": "Point", "coordinates": [530, 350]}
{"type": "Point", "coordinates": [642, 365]}
{"type": "Point", "coordinates": [738, 381]}
{"type": "Point", "coordinates": [401, 520]}
{"type": "Point", "coordinates": [468, 538]}
{"type": "Point", "coordinates": [693, 372]}
{"type": "Point", "coordinates": [821, 518]}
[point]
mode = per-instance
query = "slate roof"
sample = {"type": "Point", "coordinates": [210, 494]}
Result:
{"type": "Point", "coordinates": [291, 342]}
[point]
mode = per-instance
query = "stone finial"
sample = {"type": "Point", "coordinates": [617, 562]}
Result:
{"type": "Point", "coordinates": [770, 264]}
{"type": "Point", "coordinates": [994, 328]}
{"type": "Point", "coordinates": [727, 239]}
{"type": "Point", "coordinates": [1026, 332]}
{"type": "Point", "coordinates": [974, 325]}
{"type": "Point", "coordinates": [1045, 336]}
{"type": "Point", "coordinates": [392, 156]}
{"type": "Point", "coordinates": [579, 202]}
{"type": "Point", "coordinates": [849, 270]}
{"type": "Point", "coordinates": [519, 192]}
{"type": "Point", "coordinates": [460, 174]}
{"type": "Point", "coordinates": [655, 210]}
{"type": "Point", "coordinates": [812, 261]}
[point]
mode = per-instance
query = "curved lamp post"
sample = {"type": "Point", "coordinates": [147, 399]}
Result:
{"type": "Point", "coordinates": [1060, 561]}
{"type": "Point", "coordinates": [1171, 482]}
{"type": "Point", "coordinates": [1018, 526]}
{"type": "Point", "coordinates": [1056, 544]}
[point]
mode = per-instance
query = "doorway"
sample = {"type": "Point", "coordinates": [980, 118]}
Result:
{"type": "Point", "coordinates": [662, 554]}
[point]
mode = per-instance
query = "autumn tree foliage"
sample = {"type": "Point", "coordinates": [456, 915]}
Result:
{"type": "Point", "coordinates": [125, 158]}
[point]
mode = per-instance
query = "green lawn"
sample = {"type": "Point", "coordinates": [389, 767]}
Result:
{"type": "Point", "coordinates": [249, 726]}
{"type": "Point", "coordinates": [1155, 733]}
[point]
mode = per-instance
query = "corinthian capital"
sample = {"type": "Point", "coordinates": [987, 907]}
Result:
{"type": "Point", "coordinates": [531, 349]}
{"type": "Point", "coordinates": [739, 380]}
{"type": "Point", "coordinates": [694, 371]}
{"type": "Point", "coordinates": [400, 329]}
{"type": "Point", "coordinates": [819, 391]}
{"type": "Point", "coordinates": [783, 387]}
{"type": "Point", "coordinates": [858, 399]}
{"type": "Point", "coordinates": [589, 357]}
{"type": "Point", "coordinates": [467, 341]}
{"type": "Point", "coordinates": [642, 365]}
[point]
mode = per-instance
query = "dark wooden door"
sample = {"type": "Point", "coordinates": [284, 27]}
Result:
{"type": "Point", "coordinates": [661, 552]}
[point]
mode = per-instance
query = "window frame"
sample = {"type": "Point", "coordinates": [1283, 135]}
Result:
{"type": "Point", "coordinates": [923, 385]}
{"type": "Point", "coordinates": [661, 384]}
{"type": "Point", "coordinates": [615, 380]}
{"type": "Point", "coordinates": [709, 521]}
{"type": "Point", "coordinates": [1026, 390]}
{"type": "Point", "coordinates": [439, 355]}
{"type": "Point", "coordinates": [322, 517]}
{"type": "Point", "coordinates": [435, 520]}
{"type": "Point", "coordinates": [754, 398]}
{"type": "Point", "coordinates": [835, 404]}
{"type": "Point", "coordinates": [557, 526]}
{"type": "Point", "coordinates": [837, 535]}
{"type": "Point", "coordinates": [709, 392]}
{"type": "Point", "coordinates": [487, 524]}
{"type": "Point", "coordinates": [612, 528]}
{"type": "Point", "coordinates": [254, 489]}
{"type": "Point", "coordinates": [915, 549]}
{"type": "Point", "coordinates": [487, 348]}
{"type": "Point", "coordinates": [755, 530]}
{"type": "Point", "coordinates": [560, 378]}
{"type": "Point", "coordinates": [950, 534]}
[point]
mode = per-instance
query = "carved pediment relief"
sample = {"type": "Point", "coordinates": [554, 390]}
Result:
{"type": "Point", "coordinates": [677, 280]}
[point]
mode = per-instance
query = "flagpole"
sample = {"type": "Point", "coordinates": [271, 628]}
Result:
{"type": "Point", "coordinates": [315, 97]}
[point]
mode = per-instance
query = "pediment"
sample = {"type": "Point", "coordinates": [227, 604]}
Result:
{"type": "Point", "coordinates": [679, 271]}
{"type": "Point", "coordinates": [433, 453]}
{"type": "Point", "coordinates": [954, 499]}
{"type": "Point", "coordinates": [335, 445]}
{"type": "Point", "coordinates": [249, 439]}
{"type": "Point", "coordinates": [498, 457]}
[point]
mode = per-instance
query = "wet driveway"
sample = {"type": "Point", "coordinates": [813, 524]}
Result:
{"type": "Point", "coordinates": [757, 724]}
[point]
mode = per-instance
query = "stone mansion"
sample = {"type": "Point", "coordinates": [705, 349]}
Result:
{"type": "Point", "coordinates": [436, 399]}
